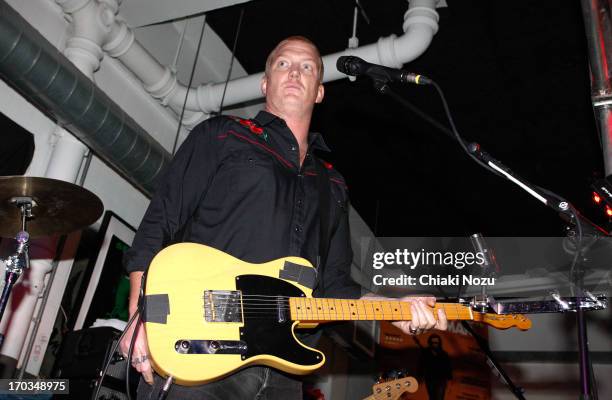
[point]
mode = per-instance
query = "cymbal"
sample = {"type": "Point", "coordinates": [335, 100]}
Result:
{"type": "Point", "coordinates": [58, 207]}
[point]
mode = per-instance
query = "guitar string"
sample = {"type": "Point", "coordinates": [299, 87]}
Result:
{"type": "Point", "coordinates": [358, 315]}
{"type": "Point", "coordinates": [397, 307]}
{"type": "Point", "coordinates": [257, 301]}
{"type": "Point", "coordinates": [326, 311]}
{"type": "Point", "coordinates": [334, 309]}
{"type": "Point", "coordinates": [341, 308]}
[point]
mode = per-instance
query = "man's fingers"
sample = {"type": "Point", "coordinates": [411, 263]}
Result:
{"type": "Point", "coordinates": [428, 321]}
{"type": "Point", "coordinates": [144, 367]}
{"type": "Point", "coordinates": [147, 374]}
{"type": "Point", "coordinates": [414, 325]}
{"type": "Point", "coordinates": [442, 323]}
{"type": "Point", "coordinates": [429, 300]}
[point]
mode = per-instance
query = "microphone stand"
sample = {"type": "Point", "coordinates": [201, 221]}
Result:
{"type": "Point", "coordinates": [565, 210]}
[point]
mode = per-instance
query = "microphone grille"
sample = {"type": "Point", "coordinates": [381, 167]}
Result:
{"type": "Point", "coordinates": [348, 65]}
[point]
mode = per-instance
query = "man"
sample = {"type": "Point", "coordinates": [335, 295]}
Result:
{"type": "Point", "coordinates": [435, 367]}
{"type": "Point", "coordinates": [249, 188]}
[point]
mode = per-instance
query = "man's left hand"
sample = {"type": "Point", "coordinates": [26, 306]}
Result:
{"type": "Point", "coordinates": [422, 316]}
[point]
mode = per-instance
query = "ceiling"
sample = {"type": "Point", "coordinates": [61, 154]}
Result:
{"type": "Point", "coordinates": [148, 12]}
{"type": "Point", "coordinates": [517, 81]}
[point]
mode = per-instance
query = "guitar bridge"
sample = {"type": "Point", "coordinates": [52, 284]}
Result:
{"type": "Point", "coordinates": [222, 306]}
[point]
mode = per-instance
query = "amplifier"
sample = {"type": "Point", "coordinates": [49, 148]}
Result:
{"type": "Point", "coordinates": [82, 358]}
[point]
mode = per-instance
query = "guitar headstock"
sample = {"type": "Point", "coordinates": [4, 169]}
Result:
{"type": "Point", "coordinates": [503, 321]}
{"type": "Point", "coordinates": [392, 390]}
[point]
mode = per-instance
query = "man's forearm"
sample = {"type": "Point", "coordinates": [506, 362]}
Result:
{"type": "Point", "coordinates": [135, 282]}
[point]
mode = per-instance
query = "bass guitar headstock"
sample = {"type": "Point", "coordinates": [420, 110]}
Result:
{"type": "Point", "coordinates": [393, 389]}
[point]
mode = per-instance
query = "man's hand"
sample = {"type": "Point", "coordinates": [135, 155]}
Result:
{"type": "Point", "coordinates": [422, 316]}
{"type": "Point", "coordinates": [140, 352]}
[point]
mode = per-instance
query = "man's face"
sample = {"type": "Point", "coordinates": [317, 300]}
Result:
{"type": "Point", "coordinates": [292, 84]}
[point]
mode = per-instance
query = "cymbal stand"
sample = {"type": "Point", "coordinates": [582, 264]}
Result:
{"type": "Point", "coordinates": [16, 262]}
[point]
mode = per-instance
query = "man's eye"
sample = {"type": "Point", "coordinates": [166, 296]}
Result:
{"type": "Point", "coordinates": [282, 63]}
{"type": "Point", "coordinates": [308, 67]}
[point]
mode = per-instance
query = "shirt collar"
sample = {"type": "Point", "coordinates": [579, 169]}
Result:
{"type": "Point", "coordinates": [315, 139]}
{"type": "Point", "coordinates": [263, 118]}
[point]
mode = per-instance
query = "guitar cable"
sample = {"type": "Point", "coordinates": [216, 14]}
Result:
{"type": "Point", "coordinates": [128, 363]}
{"type": "Point", "coordinates": [163, 393]}
{"type": "Point", "coordinates": [139, 311]}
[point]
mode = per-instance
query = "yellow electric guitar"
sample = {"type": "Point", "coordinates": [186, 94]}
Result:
{"type": "Point", "coordinates": [208, 314]}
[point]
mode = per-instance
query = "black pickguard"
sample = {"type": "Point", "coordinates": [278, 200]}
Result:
{"type": "Point", "coordinates": [263, 333]}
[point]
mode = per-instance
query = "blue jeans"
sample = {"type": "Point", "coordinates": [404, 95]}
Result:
{"type": "Point", "coordinates": [257, 383]}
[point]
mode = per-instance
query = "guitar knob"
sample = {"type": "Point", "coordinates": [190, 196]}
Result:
{"type": "Point", "coordinates": [184, 346]}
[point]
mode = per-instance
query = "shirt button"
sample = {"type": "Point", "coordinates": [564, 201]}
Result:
{"type": "Point", "coordinates": [298, 229]}
{"type": "Point", "coordinates": [293, 148]}
{"type": "Point", "coordinates": [299, 202]}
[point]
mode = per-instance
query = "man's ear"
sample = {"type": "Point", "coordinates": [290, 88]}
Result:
{"type": "Point", "coordinates": [320, 93]}
{"type": "Point", "coordinates": [264, 85]}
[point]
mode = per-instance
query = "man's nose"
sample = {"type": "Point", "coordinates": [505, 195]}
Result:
{"type": "Point", "coordinates": [294, 71]}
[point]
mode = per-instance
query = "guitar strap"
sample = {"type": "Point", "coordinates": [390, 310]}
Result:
{"type": "Point", "coordinates": [324, 221]}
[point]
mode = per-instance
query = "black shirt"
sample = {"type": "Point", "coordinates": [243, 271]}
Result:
{"type": "Point", "coordinates": [237, 185]}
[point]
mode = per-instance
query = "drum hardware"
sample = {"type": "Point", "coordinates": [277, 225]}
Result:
{"type": "Point", "coordinates": [37, 207]}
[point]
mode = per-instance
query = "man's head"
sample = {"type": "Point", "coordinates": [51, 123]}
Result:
{"type": "Point", "coordinates": [434, 341]}
{"type": "Point", "coordinates": [293, 79]}
{"type": "Point", "coordinates": [302, 39]}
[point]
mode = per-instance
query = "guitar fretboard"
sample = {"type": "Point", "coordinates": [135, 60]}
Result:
{"type": "Point", "coordinates": [320, 310]}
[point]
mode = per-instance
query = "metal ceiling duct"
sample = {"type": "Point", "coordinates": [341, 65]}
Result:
{"type": "Point", "coordinates": [36, 69]}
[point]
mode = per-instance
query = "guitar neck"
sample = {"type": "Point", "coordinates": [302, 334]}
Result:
{"type": "Point", "coordinates": [323, 310]}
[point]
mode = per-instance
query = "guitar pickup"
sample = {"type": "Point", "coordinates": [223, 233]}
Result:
{"type": "Point", "coordinates": [185, 346]}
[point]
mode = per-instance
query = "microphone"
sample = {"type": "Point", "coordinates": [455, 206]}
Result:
{"type": "Point", "coordinates": [489, 264]}
{"type": "Point", "coordinates": [355, 66]}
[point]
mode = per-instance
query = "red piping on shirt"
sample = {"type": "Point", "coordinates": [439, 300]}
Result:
{"type": "Point", "coordinates": [338, 181]}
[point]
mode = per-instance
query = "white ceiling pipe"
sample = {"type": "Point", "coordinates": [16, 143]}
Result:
{"type": "Point", "coordinates": [121, 44]}
{"type": "Point", "coordinates": [91, 23]}
{"type": "Point", "coordinates": [95, 27]}
{"type": "Point", "coordinates": [157, 79]}
{"type": "Point", "coordinates": [420, 25]}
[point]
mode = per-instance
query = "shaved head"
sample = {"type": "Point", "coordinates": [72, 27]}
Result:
{"type": "Point", "coordinates": [302, 39]}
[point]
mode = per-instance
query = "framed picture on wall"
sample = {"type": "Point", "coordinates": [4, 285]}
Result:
{"type": "Point", "coordinates": [106, 294]}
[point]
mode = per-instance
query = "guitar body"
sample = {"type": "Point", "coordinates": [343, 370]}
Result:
{"type": "Point", "coordinates": [208, 314]}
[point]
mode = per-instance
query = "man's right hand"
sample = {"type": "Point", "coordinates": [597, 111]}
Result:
{"type": "Point", "coordinates": [140, 352]}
